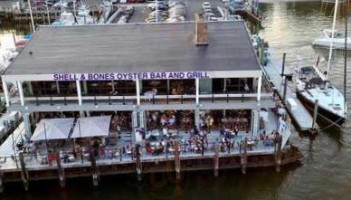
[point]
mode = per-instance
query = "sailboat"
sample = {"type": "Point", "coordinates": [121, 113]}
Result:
{"type": "Point", "coordinates": [313, 86]}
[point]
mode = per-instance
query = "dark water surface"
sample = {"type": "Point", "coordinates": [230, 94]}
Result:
{"type": "Point", "coordinates": [324, 174]}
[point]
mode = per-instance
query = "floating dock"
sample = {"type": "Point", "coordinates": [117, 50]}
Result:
{"type": "Point", "coordinates": [297, 112]}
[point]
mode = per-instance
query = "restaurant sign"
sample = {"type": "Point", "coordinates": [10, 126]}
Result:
{"type": "Point", "coordinates": [130, 76]}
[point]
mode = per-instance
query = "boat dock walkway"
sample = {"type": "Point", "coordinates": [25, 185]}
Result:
{"type": "Point", "coordinates": [297, 111]}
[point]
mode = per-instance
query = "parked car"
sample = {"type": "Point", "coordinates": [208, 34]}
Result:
{"type": "Point", "coordinates": [206, 5]}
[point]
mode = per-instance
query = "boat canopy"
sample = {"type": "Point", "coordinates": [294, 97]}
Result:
{"type": "Point", "coordinates": [53, 129]}
{"type": "Point", "coordinates": [92, 127]}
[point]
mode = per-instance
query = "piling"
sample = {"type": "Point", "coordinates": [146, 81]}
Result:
{"type": "Point", "coordinates": [138, 164]}
{"type": "Point", "coordinates": [278, 153]}
{"type": "Point", "coordinates": [285, 88]}
{"type": "Point", "coordinates": [1, 183]}
{"type": "Point", "coordinates": [283, 65]}
{"type": "Point", "coordinates": [60, 171]}
{"type": "Point", "coordinates": [95, 174]}
{"type": "Point", "coordinates": [314, 122]}
{"type": "Point", "coordinates": [216, 159]}
{"type": "Point", "coordinates": [24, 172]}
{"type": "Point", "coordinates": [243, 160]}
{"type": "Point", "coordinates": [177, 160]}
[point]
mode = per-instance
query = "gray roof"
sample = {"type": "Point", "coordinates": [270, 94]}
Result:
{"type": "Point", "coordinates": [136, 48]}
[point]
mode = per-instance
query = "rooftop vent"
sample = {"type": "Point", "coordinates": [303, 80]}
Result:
{"type": "Point", "coordinates": [201, 35]}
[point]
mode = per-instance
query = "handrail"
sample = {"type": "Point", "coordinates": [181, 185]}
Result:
{"type": "Point", "coordinates": [145, 97]}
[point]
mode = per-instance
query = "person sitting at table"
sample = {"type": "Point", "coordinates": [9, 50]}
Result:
{"type": "Point", "coordinates": [164, 120]}
{"type": "Point", "coordinates": [101, 151]}
{"type": "Point", "coordinates": [209, 123]}
{"type": "Point", "coordinates": [172, 120]}
{"type": "Point", "coordinates": [263, 135]}
{"type": "Point", "coordinates": [236, 130]}
{"type": "Point", "coordinates": [161, 148]}
{"type": "Point", "coordinates": [148, 148]}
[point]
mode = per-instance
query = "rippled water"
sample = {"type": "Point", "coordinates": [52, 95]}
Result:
{"type": "Point", "coordinates": [324, 174]}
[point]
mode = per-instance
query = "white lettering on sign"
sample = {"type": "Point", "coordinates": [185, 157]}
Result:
{"type": "Point", "coordinates": [130, 76]}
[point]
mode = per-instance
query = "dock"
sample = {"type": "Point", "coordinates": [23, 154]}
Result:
{"type": "Point", "coordinates": [298, 112]}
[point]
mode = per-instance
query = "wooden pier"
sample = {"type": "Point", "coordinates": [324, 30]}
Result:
{"type": "Point", "coordinates": [301, 116]}
{"type": "Point", "coordinates": [138, 165]}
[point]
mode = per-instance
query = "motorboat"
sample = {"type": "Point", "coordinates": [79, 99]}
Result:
{"type": "Point", "coordinates": [312, 85]}
{"type": "Point", "coordinates": [338, 41]}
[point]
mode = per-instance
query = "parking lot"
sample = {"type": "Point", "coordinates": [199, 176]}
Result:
{"type": "Point", "coordinates": [141, 11]}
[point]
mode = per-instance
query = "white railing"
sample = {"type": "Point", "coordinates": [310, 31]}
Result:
{"type": "Point", "coordinates": [147, 97]}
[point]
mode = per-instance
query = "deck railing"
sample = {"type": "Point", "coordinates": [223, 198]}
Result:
{"type": "Point", "coordinates": [116, 155]}
{"type": "Point", "coordinates": [144, 99]}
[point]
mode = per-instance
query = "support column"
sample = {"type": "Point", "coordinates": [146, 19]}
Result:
{"type": "Point", "coordinates": [137, 91]}
{"type": "Point", "coordinates": [95, 174]}
{"type": "Point", "coordinates": [6, 93]}
{"type": "Point", "coordinates": [243, 160]}
{"type": "Point", "coordinates": [85, 87]}
{"type": "Point", "coordinates": [20, 91]}
{"type": "Point", "coordinates": [259, 87]}
{"type": "Point", "coordinates": [197, 91]}
{"type": "Point", "coordinates": [255, 122]}
{"type": "Point", "coordinates": [177, 159]}
{"type": "Point", "coordinates": [24, 172]}
{"type": "Point", "coordinates": [138, 164]}
{"type": "Point", "coordinates": [225, 85]}
{"type": "Point", "coordinates": [142, 119]}
{"type": "Point", "coordinates": [27, 125]}
{"type": "Point", "coordinates": [60, 171]}
{"type": "Point", "coordinates": [1, 183]}
{"type": "Point", "coordinates": [30, 87]}
{"type": "Point", "coordinates": [197, 117]}
{"type": "Point", "coordinates": [79, 92]}
{"type": "Point", "coordinates": [134, 124]}
{"type": "Point", "coordinates": [216, 159]}
{"type": "Point", "coordinates": [113, 86]}
{"type": "Point", "coordinates": [278, 153]}
{"type": "Point", "coordinates": [58, 87]}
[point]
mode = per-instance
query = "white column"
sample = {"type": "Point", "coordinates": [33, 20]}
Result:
{"type": "Point", "coordinates": [259, 88]}
{"type": "Point", "coordinates": [197, 90]}
{"type": "Point", "coordinates": [137, 91]}
{"type": "Point", "coordinates": [134, 124]}
{"type": "Point", "coordinates": [30, 87]}
{"type": "Point", "coordinates": [58, 87]}
{"type": "Point", "coordinates": [113, 86]}
{"type": "Point", "coordinates": [85, 87]}
{"type": "Point", "coordinates": [20, 91]}
{"type": "Point", "coordinates": [27, 125]}
{"type": "Point", "coordinates": [142, 119]}
{"type": "Point", "coordinates": [79, 91]}
{"type": "Point", "coordinates": [255, 121]}
{"type": "Point", "coordinates": [6, 93]}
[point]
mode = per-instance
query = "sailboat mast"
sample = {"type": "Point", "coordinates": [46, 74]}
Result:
{"type": "Point", "coordinates": [31, 15]}
{"type": "Point", "coordinates": [345, 53]}
{"type": "Point", "coordinates": [332, 36]}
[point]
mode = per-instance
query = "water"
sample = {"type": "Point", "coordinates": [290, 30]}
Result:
{"type": "Point", "coordinates": [324, 174]}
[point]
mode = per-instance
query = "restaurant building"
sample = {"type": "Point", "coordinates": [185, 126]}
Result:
{"type": "Point", "coordinates": [149, 77]}
{"type": "Point", "coordinates": [137, 69]}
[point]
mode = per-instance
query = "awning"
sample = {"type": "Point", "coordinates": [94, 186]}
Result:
{"type": "Point", "coordinates": [8, 148]}
{"type": "Point", "coordinates": [53, 129]}
{"type": "Point", "coordinates": [92, 127]}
